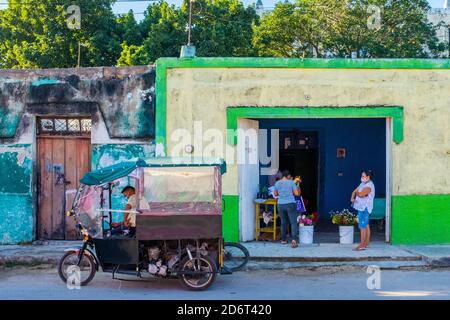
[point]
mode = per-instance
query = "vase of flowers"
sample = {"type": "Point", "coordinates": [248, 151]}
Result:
{"type": "Point", "coordinates": [306, 227]}
{"type": "Point", "coordinates": [346, 221]}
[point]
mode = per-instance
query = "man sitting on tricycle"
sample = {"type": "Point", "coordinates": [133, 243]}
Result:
{"type": "Point", "coordinates": [128, 225]}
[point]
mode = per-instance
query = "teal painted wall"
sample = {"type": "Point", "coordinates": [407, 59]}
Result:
{"type": "Point", "coordinates": [16, 200]}
{"type": "Point", "coordinates": [104, 155]}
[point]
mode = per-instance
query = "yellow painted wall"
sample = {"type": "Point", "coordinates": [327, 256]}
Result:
{"type": "Point", "coordinates": [420, 162]}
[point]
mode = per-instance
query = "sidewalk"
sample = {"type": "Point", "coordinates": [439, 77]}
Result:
{"type": "Point", "coordinates": [271, 255]}
{"type": "Point", "coordinates": [48, 252]}
{"type": "Point", "coordinates": [278, 256]}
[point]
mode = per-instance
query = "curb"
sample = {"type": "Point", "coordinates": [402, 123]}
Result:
{"type": "Point", "coordinates": [335, 259]}
{"type": "Point", "coordinates": [28, 261]}
{"type": "Point", "coordinates": [438, 262]}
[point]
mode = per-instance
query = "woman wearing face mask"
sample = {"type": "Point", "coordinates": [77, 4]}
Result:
{"type": "Point", "coordinates": [362, 199]}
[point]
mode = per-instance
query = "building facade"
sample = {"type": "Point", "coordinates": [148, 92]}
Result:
{"type": "Point", "coordinates": [389, 114]}
{"type": "Point", "coordinates": [324, 119]}
{"type": "Point", "coordinates": [57, 124]}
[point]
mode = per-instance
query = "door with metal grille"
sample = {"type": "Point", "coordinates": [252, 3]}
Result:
{"type": "Point", "coordinates": [64, 156]}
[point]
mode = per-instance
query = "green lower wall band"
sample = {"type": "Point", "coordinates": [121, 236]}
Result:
{"type": "Point", "coordinates": [421, 219]}
{"type": "Point", "coordinates": [230, 218]}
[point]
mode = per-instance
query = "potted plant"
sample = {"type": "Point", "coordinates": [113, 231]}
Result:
{"type": "Point", "coordinates": [346, 221]}
{"type": "Point", "coordinates": [306, 227]}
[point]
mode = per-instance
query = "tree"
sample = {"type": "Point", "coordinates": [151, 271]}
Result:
{"type": "Point", "coordinates": [371, 28]}
{"type": "Point", "coordinates": [35, 34]}
{"type": "Point", "coordinates": [129, 29]}
{"type": "Point", "coordinates": [220, 28]}
{"type": "Point", "coordinates": [164, 27]}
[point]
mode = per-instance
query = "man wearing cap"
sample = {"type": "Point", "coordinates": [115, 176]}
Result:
{"type": "Point", "coordinates": [128, 225]}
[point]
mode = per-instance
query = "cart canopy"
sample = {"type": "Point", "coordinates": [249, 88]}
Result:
{"type": "Point", "coordinates": [123, 169]}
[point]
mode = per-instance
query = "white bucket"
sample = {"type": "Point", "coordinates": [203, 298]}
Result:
{"type": "Point", "coordinates": [306, 234]}
{"type": "Point", "coordinates": [346, 234]}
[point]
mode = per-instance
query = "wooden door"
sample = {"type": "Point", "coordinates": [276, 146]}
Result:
{"type": "Point", "coordinates": [64, 156]}
{"type": "Point", "coordinates": [62, 163]}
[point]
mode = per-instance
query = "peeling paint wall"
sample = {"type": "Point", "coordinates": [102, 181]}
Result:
{"type": "Point", "coordinates": [120, 101]}
{"type": "Point", "coordinates": [107, 154]}
{"type": "Point", "coordinates": [16, 202]}
{"type": "Point", "coordinates": [124, 97]}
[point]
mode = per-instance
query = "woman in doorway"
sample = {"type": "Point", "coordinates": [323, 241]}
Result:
{"type": "Point", "coordinates": [362, 200]}
{"type": "Point", "coordinates": [286, 190]}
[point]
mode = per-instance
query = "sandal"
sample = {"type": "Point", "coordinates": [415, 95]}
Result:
{"type": "Point", "coordinates": [358, 248]}
{"type": "Point", "coordinates": [283, 242]}
{"type": "Point", "coordinates": [294, 244]}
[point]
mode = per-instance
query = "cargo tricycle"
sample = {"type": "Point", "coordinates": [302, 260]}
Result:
{"type": "Point", "coordinates": [178, 222]}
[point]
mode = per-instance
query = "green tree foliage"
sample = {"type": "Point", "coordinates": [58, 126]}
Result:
{"type": "Point", "coordinates": [129, 29]}
{"type": "Point", "coordinates": [219, 28]}
{"type": "Point", "coordinates": [222, 27]}
{"type": "Point", "coordinates": [320, 28]}
{"type": "Point", "coordinates": [34, 33]}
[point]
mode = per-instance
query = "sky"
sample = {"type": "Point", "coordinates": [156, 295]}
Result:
{"type": "Point", "coordinates": [139, 6]}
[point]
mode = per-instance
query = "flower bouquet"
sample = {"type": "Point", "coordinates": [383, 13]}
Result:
{"type": "Point", "coordinates": [306, 230]}
{"type": "Point", "coordinates": [343, 218]}
{"type": "Point", "coordinates": [346, 220]}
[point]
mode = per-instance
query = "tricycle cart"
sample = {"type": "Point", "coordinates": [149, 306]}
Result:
{"type": "Point", "coordinates": [178, 235]}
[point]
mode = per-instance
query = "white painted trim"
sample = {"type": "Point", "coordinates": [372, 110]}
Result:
{"type": "Point", "coordinates": [248, 179]}
{"type": "Point", "coordinates": [389, 134]}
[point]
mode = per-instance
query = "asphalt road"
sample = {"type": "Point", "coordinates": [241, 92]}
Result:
{"type": "Point", "coordinates": [21, 283]}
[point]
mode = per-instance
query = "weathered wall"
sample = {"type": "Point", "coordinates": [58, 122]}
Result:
{"type": "Point", "coordinates": [16, 201]}
{"type": "Point", "coordinates": [419, 162]}
{"type": "Point", "coordinates": [204, 94]}
{"type": "Point", "coordinates": [120, 102]}
{"type": "Point", "coordinates": [104, 155]}
{"type": "Point", "coordinates": [122, 97]}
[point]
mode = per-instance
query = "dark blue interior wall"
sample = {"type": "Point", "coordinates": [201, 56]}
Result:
{"type": "Point", "coordinates": [365, 144]}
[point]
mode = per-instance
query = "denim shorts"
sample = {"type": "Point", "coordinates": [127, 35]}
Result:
{"type": "Point", "coordinates": [363, 219]}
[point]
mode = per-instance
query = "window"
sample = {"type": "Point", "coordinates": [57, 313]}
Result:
{"type": "Point", "coordinates": [64, 126]}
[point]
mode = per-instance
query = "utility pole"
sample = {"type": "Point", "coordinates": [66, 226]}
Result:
{"type": "Point", "coordinates": [79, 54]}
{"type": "Point", "coordinates": [188, 51]}
{"type": "Point", "coordinates": [190, 22]}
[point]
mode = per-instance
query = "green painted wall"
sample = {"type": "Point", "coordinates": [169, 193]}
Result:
{"type": "Point", "coordinates": [230, 218]}
{"type": "Point", "coordinates": [16, 202]}
{"type": "Point", "coordinates": [421, 219]}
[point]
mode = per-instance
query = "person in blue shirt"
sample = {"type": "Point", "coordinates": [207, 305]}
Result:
{"type": "Point", "coordinates": [285, 190]}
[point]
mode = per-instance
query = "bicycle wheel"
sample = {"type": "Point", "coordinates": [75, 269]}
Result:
{"type": "Point", "coordinates": [235, 256]}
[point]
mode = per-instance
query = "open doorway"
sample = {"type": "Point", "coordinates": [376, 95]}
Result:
{"type": "Point", "coordinates": [329, 156]}
{"type": "Point", "coordinates": [299, 153]}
